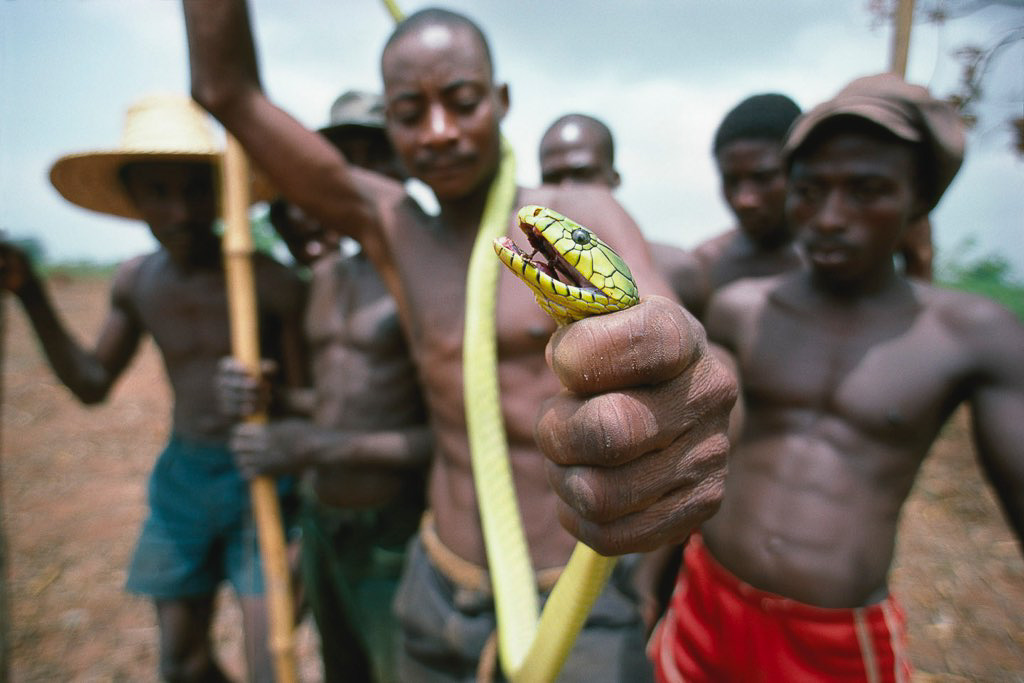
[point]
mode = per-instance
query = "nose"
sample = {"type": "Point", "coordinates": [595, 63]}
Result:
{"type": "Point", "coordinates": [441, 129]}
{"type": "Point", "coordinates": [177, 209]}
{"type": "Point", "coordinates": [831, 215]}
{"type": "Point", "coordinates": [747, 196]}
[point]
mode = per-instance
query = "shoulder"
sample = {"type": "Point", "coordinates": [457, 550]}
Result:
{"type": "Point", "coordinates": [976, 322]}
{"type": "Point", "coordinates": [711, 248]}
{"type": "Point", "coordinates": [592, 206]}
{"type": "Point", "coordinates": [126, 277]}
{"type": "Point", "coordinates": [739, 301]}
{"type": "Point", "coordinates": [276, 281]}
{"type": "Point", "coordinates": [132, 276]}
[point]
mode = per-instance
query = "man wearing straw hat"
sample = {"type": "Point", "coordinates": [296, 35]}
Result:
{"type": "Point", "coordinates": [197, 533]}
{"type": "Point", "coordinates": [364, 439]}
{"type": "Point", "coordinates": [850, 371]}
{"type": "Point", "coordinates": [611, 486]}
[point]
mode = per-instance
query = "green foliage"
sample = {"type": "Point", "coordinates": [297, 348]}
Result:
{"type": "Point", "coordinates": [264, 237]}
{"type": "Point", "coordinates": [989, 275]}
{"type": "Point", "coordinates": [76, 269]}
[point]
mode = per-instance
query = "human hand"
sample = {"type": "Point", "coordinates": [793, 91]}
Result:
{"type": "Point", "coordinates": [15, 269]}
{"type": "Point", "coordinates": [239, 394]}
{"type": "Point", "coordinates": [637, 441]}
{"type": "Point", "coordinates": [265, 448]}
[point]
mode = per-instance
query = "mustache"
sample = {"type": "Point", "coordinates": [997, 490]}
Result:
{"type": "Point", "coordinates": [428, 160]}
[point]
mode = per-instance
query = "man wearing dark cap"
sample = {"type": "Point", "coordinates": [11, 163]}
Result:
{"type": "Point", "coordinates": [747, 148]}
{"type": "Point", "coordinates": [364, 441]}
{"type": "Point", "coordinates": [849, 371]}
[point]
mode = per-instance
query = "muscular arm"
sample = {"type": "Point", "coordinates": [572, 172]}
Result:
{"type": "Point", "coordinates": [997, 407]}
{"type": "Point", "coordinates": [304, 166]}
{"type": "Point", "coordinates": [88, 374]}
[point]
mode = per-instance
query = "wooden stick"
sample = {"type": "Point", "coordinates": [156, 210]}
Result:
{"type": "Point", "coordinates": [245, 346]}
{"type": "Point", "coordinates": [901, 37]}
{"type": "Point", "coordinates": [5, 616]}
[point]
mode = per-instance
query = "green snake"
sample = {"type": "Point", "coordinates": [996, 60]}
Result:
{"type": "Point", "coordinates": [578, 276]}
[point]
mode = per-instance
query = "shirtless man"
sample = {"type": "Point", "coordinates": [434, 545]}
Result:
{"type": "Point", "coordinates": [166, 177]}
{"type": "Point", "coordinates": [444, 114]}
{"type": "Point", "coordinates": [579, 149]}
{"type": "Point", "coordinates": [849, 371]}
{"type": "Point", "coordinates": [747, 148]}
{"type": "Point", "coordinates": [366, 442]}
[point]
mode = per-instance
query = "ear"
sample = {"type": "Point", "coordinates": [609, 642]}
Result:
{"type": "Point", "coordinates": [615, 178]}
{"type": "Point", "coordinates": [501, 93]}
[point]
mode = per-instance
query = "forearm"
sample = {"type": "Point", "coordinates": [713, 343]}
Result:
{"type": "Point", "coordinates": [79, 370]}
{"type": "Point", "coordinates": [222, 55]}
{"type": "Point", "coordinates": [387, 449]}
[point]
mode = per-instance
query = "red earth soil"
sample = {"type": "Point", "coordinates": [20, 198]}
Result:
{"type": "Point", "coordinates": [73, 499]}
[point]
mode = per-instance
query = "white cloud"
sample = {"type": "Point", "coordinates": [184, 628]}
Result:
{"type": "Point", "coordinates": [661, 74]}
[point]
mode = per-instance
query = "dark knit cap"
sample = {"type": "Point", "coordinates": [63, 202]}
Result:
{"type": "Point", "coordinates": [759, 117]}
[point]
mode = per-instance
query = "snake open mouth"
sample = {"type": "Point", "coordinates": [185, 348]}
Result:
{"type": "Point", "coordinates": [546, 259]}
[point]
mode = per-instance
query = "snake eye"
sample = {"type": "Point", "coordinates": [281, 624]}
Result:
{"type": "Point", "coordinates": [580, 236]}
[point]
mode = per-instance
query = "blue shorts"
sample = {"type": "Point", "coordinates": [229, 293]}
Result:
{"type": "Point", "coordinates": [199, 531]}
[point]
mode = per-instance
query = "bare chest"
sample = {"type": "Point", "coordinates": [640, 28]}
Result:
{"type": "Point", "coordinates": [891, 377]}
{"type": "Point", "coordinates": [186, 316]}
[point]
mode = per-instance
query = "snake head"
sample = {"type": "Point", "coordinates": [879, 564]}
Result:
{"type": "Point", "coordinates": [570, 270]}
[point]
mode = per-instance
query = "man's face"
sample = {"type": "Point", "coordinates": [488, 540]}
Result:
{"type": "Point", "coordinates": [443, 108]}
{"type": "Point", "coordinates": [305, 238]}
{"type": "Point", "coordinates": [850, 199]}
{"type": "Point", "coordinates": [179, 202]}
{"type": "Point", "coordinates": [574, 154]}
{"type": "Point", "coordinates": [754, 186]}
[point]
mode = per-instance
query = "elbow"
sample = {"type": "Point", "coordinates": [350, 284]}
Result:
{"type": "Point", "coordinates": [213, 99]}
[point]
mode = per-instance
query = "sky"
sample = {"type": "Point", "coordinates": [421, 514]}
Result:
{"type": "Point", "coordinates": [660, 73]}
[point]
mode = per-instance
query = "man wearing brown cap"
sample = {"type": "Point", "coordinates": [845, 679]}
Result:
{"type": "Point", "coordinates": [198, 532]}
{"type": "Point", "coordinates": [849, 370]}
{"type": "Point", "coordinates": [363, 441]}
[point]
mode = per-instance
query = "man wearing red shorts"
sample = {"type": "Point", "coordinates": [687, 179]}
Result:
{"type": "Point", "coordinates": [849, 371]}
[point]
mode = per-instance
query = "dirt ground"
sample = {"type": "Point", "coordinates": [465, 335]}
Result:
{"type": "Point", "coordinates": [73, 499]}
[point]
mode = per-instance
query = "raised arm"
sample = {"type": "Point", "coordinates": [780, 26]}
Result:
{"type": "Point", "coordinates": [302, 164]}
{"type": "Point", "coordinates": [88, 374]}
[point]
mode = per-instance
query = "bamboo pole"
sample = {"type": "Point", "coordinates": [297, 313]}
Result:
{"type": "Point", "coordinates": [902, 22]}
{"type": "Point", "coordinates": [237, 249]}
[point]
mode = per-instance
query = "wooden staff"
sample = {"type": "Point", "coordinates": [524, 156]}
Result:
{"type": "Point", "coordinates": [245, 346]}
{"type": "Point", "coordinates": [5, 617]}
{"type": "Point", "coordinates": [901, 37]}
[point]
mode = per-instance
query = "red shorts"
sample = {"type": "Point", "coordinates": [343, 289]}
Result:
{"type": "Point", "coordinates": [718, 628]}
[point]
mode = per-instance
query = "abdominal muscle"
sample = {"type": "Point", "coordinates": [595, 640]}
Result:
{"type": "Point", "coordinates": [812, 515]}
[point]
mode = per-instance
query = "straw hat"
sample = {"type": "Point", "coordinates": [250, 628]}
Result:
{"type": "Point", "coordinates": [163, 127]}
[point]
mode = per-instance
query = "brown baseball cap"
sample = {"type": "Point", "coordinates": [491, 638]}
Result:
{"type": "Point", "coordinates": [907, 111]}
